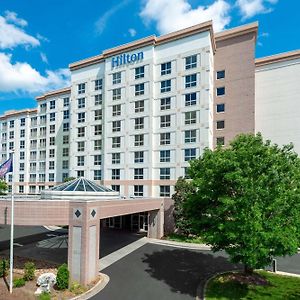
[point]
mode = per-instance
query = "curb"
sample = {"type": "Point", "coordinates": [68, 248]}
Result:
{"type": "Point", "coordinates": [179, 244]}
{"type": "Point", "coordinates": [95, 289]}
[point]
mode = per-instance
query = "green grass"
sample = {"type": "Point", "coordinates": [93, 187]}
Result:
{"type": "Point", "coordinates": [280, 287]}
{"type": "Point", "coordinates": [184, 239]}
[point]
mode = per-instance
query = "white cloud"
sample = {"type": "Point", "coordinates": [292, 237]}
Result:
{"type": "Point", "coordinates": [102, 21]}
{"type": "Point", "coordinates": [44, 57]}
{"type": "Point", "coordinates": [132, 32]}
{"type": "Point", "coordinates": [177, 14]}
{"type": "Point", "coordinates": [250, 8]}
{"type": "Point", "coordinates": [12, 33]}
{"type": "Point", "coordinates": [21, 77]}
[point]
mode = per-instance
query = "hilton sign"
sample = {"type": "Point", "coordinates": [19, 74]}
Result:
{"type": "Point", "coordinates": [124, 59]}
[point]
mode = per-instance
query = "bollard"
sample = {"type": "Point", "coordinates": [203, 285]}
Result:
{"type": "Point", "coordinates": [274, 265]}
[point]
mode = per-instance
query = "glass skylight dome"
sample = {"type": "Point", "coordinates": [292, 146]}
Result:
{"type": "Point", "coordinates": [80, 188]}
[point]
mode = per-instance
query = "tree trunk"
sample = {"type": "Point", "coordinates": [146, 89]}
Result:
{"type": "Point", "coordinates": [248, 270]}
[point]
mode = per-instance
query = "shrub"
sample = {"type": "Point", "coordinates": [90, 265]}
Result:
{"type": "Point", "coordinates": [4, 263]}
{"type": "Point", "coordinates": [62, 278]}
{"type": "Point", "coordinates": [76, 288]}
{"type": "Point", "coordinates": [29, 269]}
{"type": "Point", "coordinates": [18, 282]}
{"type": "Point", "coordinates": [44, 296]}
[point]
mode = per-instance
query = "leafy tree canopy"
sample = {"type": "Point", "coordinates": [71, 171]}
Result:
{"type": "Point", "coordinates": [3, 187]}
{"type": "Point", "coordinates": [247, 200]}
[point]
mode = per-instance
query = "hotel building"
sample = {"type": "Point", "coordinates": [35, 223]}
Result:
{"type": "Point", "coordinates": [136, 114]}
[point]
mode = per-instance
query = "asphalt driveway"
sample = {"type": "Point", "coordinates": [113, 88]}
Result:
{"type": "Point", "coordinates": [161, 272]}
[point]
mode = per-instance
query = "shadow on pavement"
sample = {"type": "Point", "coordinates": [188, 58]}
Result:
{"type": "Point", "coordinates": [185, 270]}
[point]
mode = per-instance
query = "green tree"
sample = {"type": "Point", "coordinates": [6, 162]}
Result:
{"type": "Point", "coordinates": [182, 189]}
{"type": "Point", "coordinates": [67, 179]}
{"type": "Point", "coordinates": [247, 200]}
{"type": "Point", "coordinates": [3, 187]}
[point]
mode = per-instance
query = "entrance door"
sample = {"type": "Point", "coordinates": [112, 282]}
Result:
{"type": "Point", "coordinates": [143, 222]}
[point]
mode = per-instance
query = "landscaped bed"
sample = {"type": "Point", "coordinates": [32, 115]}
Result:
{"type": "Point", "coordinates": [183, 238]}
{"type": "Point", "coordinates": [26, 292]}
{"type": "Point", "coordinates": [260, 285]}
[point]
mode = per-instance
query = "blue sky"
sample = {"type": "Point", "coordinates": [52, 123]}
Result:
{"type": "Point", "coordinates": [39, 38]}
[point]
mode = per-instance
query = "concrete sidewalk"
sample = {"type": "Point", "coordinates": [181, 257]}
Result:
{"type": "Point", "coordinates": [191, 246]}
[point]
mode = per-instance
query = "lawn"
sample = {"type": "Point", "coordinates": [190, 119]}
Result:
{"type": "Point", "coordinates": [183, 238]}
{"type": "Point", "coordinates": [275, 287]}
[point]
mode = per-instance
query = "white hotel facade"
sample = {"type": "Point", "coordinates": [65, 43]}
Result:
{"type": "Point", "coordinates": [135, 115]}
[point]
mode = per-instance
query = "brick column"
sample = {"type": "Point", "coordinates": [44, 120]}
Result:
{"type": "Point", "coordinates": [83, 248]}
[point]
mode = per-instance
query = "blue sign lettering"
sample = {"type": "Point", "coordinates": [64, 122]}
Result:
{"type": "Point", "coordinates": [124, 59]}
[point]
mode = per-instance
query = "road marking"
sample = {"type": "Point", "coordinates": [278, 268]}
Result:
{"type": "Point", "coordinates": [19, 245]}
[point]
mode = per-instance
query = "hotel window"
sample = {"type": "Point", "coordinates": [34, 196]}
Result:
{"type": "Point", "coordinates": [139, 106]}
{"type": "Point", "coordinates": [97, 160]}
{"type": "Point", "coordinates": [98, 99]}
{"type": "Point", "coordinates": [4, 135]}
{"type": "Point", "coordinates": [190, 80]}
{"type": "Point", "coordinates": [97, 175]}
{"type": "Point", "coordinates": [98, 114]}
{"type": "Point", "coordinates": [33, 144]}
{"type": "Point", "coordinates": [220, 141]}
{"type": "Point", "coordinates": [43, 107]}
{"type": "Point", "coordinates": [190, 136]}
{"type": "Point", "coordinates": [190, 117]}
{"type": "Point", "coordinates": [21, 167]}
{"type": "Point", "coordinates": [66, 127]}
{"type": "Point", "coordinates": [21, 189]}
{"type": "Point", "coordinates": [65, 139]}
{"type": "Point", "coordinates": [42, 166]}
{"type": "Point", "coordinates": [165, 121]}
{"type": "Point", "coordinates": [51, 165]}
{"type": "Point", "coordinates": [220, 108]}
{"type": "Point", "coordinates": [51, 177]}
{"type": "Point", "coordinates": [221, 91]}
{"type": "Point", "coordinates": [220, 124]}
{"type": "Point", "coordinates": [115, 174]}
{"type": "Point", "coordinates": [43, 131]}
{"type": "Point", "coordinates": [165, 68]}
{"type": "Point", "coordinates": [32, 155]}
{"type": "Point", "coordinates": [139, 89]}
{"type": "Point", "coordinates": [65, 164]}
{"type": "Point", "coordinates": [139, 157]}
{"type": "Point", "coordinates": [116, 78]}
{"type": "Point", "coordinates": [32, 189]}
{"type": "Point", "coordinates": [21, 177]}
{"type": "Point", "coordinates": [138, 123]}
{"type": "Point", "coordinates": [81, 117]}
{"type": "Point", "coordinates": [11, 124]}
{"type": "Point", "coordinates": [115, 188]}
{"type": "Point", "coordinates": [65, 152]}
{"type": "Point", "coordinates": [81, 103]}
{"type": "Point", "coordinates": [52, 128]}
{"type": "Point", "coordinates": [80, 146]}
{"type": "Point", "coordinates": [221, 74]}
{"type": "Point", "coordinates": [81, 88]}
{"type": "Point", "coordinates": [66, 101]}
{"type": "Point", "coordinates": [32, 178]}
{"type": "Point", "coordinates": [66, 114]}
{"type": "Point", "coordinates": [116, 158]}
{"type": "Point", "coordinates": [43, 119]}
{"type": "Point", "coordinates": [80, 131]}
{"type": "Point", "coordinates": [186, 173]}
{"type": "Point", "coordinates": [139, 72]}
{"type": "Point", "coordinates": [33, 121]}
{"type": "Point", "coordinates": [80, 173]}
{"type": "Point", "coordinates": [116, 142]}
{"type": "Point", "coordinates": [138, 173]}
{"type": "Point", "coordinates": [138, 190]}
{"type": "Point", "coordinates": [22, 144]}
{"type": "Point", "coordinates": [116, 126]}
{"type": "Point", "coordinates": [165, 86]}
{"type": "Point", "coordinates": [52, 153]}
{"type": "Point", "coordinates": [80, 161]}
{"type": "Point", "coordinates": [116, 94]}
{"type": "Point", "coordinates": [165, 173]}
{"type": "Point", "coordinates": [164, 191]}
{"type": "Point", "coordinates": [139, 140]}
{"type": "Point", "coordinates": [165, 138]}
{"type": "Point", "coordinates": [52, 117]}
{"type": "Point", "coordinates": [43, 154]}
{"type": "Point", "coordinates": [11, 134]}
{"type": "Point", "coordinates": [98, 84]}
{"type": "Point", "coordinates": [22, 155]}
{"type": "Point", "coordinates": [189, 154]}
{"type": "Point", "coordinates": [165, 103]}
{"type": "Point", "coordinates": [52, 104]}
{"type": "Point", "coordinates": [98, 129]}
{"type": "Point", "coordinates": [51, 142]}
{"type": "Point", "coordinates": [22, 122]}
{"type": "Point", "coordinates": [97, 145]}
{"type": "Point", "coordinates": [116, 110]}
{"type": "Point", "coordinates": [191, 62]}
{"type": "Point", "coordinates": [165, 156]}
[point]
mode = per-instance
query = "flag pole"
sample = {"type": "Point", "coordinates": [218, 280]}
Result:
{"type": "Point", "coordinates": [11, 260]}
